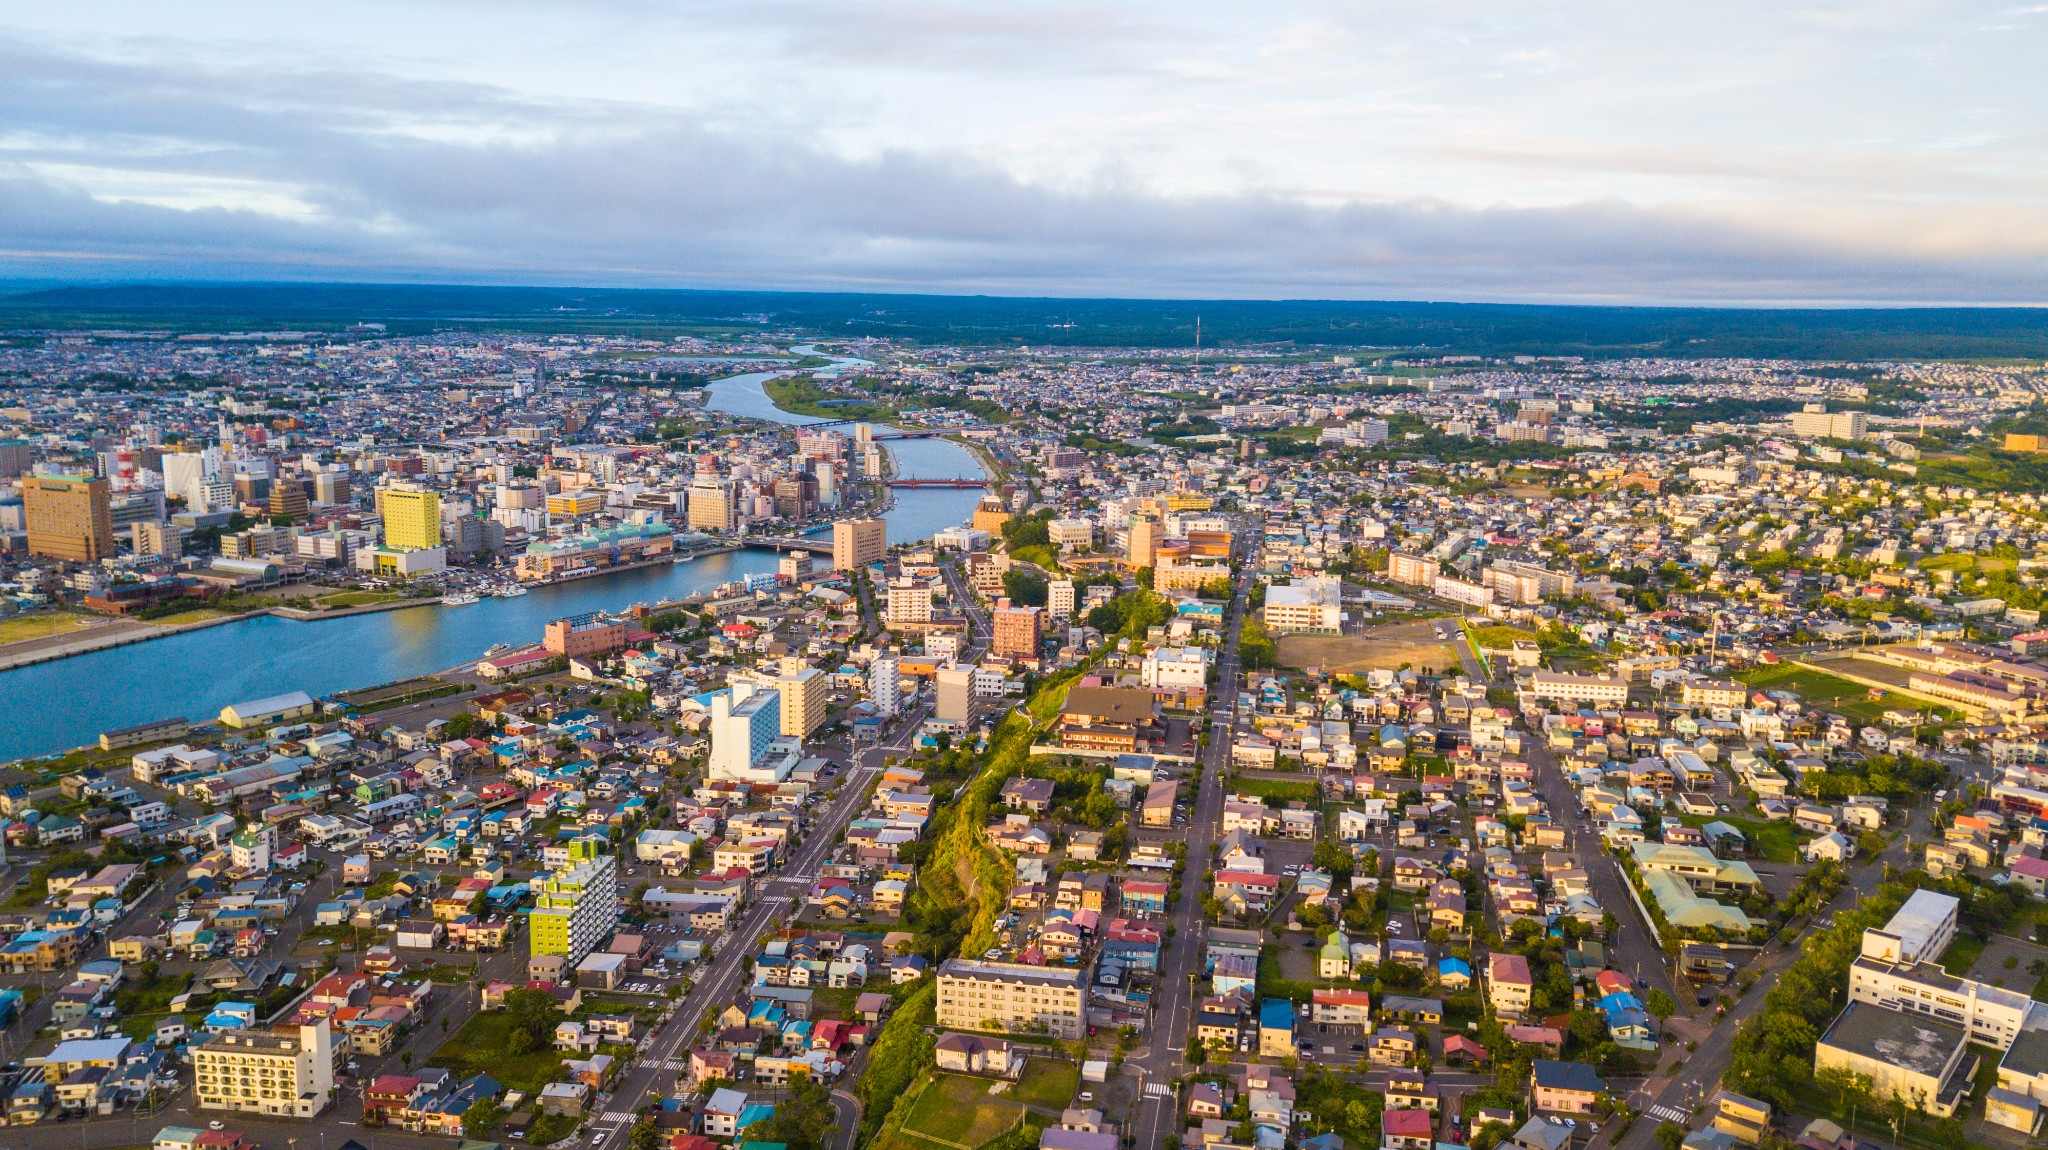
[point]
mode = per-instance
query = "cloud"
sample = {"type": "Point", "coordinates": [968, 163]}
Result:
{"type": "Point", "coordinates": [170, 168]}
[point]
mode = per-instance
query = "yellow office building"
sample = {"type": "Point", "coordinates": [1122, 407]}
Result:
{"type": "Point", "coordinates": [412, 518]}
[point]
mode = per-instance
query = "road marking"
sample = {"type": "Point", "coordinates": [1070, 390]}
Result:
{"type": "Point", "coordinates": [1158, 1090]}
{"type": "Point", "coordinates": [615, 1116]}
{"type": "Point", "coordinates": [1670, 1114]}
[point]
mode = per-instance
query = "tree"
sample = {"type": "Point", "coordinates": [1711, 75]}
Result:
{"type": "Point", "coordinates": [482, 1118]}
{"type": "Point", "coordinates": [1670, 1135]}
{"type": "Point", "coordinates": [804, 1121]}
{"type": "Point", "coordinates": [1659, 1006]}
{"type": "Point", "coordinates": [1025, 587]}
{"type": "Point", "coordinates": [645, 1137]}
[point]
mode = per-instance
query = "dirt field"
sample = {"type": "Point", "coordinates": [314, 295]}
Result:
{"type": "Point", "coordinates": [1379, 648]}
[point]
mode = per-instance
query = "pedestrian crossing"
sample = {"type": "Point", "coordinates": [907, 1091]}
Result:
{"type": "Point", "coordinates": [1663, 1113]}
{"type": "Point", "coordinates": [616, 1116]}
{"type": "Point", "coordinates": [675, 1064]}
{"type": "Point", "coordinates": [1158, 1090]}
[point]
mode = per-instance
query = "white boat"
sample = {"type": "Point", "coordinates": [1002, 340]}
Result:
{"type": "Point", "coordinates": [460, 599]}
{"type": "Point", "coordinates": [512, 592]}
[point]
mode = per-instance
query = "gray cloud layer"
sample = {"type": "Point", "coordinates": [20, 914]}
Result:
{"type": "Point", "coordinates": [133, 170]}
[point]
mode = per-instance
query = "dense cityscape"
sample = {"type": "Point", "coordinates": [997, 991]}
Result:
{"type": "Point", "coordinates": [749, 738]}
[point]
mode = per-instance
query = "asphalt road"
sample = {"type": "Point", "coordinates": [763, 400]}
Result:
{"type": "Point", "coordinates": [1164, 1061]}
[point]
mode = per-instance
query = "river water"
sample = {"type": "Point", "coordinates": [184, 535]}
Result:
{"type": "Point", "coordinates": [51, 706]}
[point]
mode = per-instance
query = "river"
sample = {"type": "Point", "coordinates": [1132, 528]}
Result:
{"type": "Point", "coordinates": [48, 707]}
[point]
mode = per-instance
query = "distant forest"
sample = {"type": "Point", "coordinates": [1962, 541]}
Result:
{"type": "Point", "coordinates": [1283, 326]}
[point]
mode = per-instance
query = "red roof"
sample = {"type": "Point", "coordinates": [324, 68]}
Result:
{"type": "Point", "coordinates": [1407, 1123]}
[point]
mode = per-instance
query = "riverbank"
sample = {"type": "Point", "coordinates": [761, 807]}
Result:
{"type": "Point", "coordinates": [102, 642]}
{"type": "Point", "coordinates": [997, 473]}
{"type": "Point", "coordinates": [803, 396]}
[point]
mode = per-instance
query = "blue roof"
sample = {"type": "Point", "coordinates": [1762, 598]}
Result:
{"type": "Point", "coordinates": [1454, 966]}
{"type": "Point", "coordinates": [1276, 1014]}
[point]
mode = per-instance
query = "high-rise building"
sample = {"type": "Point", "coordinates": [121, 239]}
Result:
{"type": "Point", "coordinates": [953, 694]}
{"type": "Point", "coordinates": [575, 907]}
{"type": "Point", "coordinates": [806, 698]}
{"type": "Point", "coordinates": [576, 504]}
{"type": "Point", "coordinates": [1016, 631]}
{"type": "Point", "coordinates": [69, 517]}
{"type": "Point", "coordinates": [1146, 533]}
{"type": "Point", "coordinates": [744, 722]}
{"type": "Point", "coordinates": [711, 505]}
{"type": "Point", "coordinates": [990, 515]}
{"type": "Point", "coordinates": [1822, 424]}
{"type": "Point", "coordinates": [412, 517]}
{"type": "Point", "coordinates": [857, 543]}
{"type": "Point", "coordinates": [885, 685]}
{"type": "Point", "coordinates": [164, 539]}
{"type": "Point", "coordinates": [910, 601]}
{"type": "Point", "coordinates": [185, 477]}
{"type": "Point", "coordinates": [331, 488]}
{"type": "Point", "coordinates": [1059, 598]}
{"type": "Point", "coordinates": [288, 499]}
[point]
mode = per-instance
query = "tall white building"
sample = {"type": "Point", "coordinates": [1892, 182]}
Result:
{"type": "Point", "coordinates": [910, 601]}
{"type": "Point", "coordinates": [1059, 598]}
{"type": "Point", "coordinates": [744, 722]}
{"type": "Point", "coordinates": [885, 685]}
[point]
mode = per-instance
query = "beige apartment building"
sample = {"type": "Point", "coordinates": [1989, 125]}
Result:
{"type": "Point", "coordinates": [1012, 996]}
{"type": "Point", "coordinates": [910, 601]}
{"type": "Point", "coordinates": [265, 1072]}
{"type": "Point", "coordinates": [806, 698]}
{"type": "Point", "coordinates": [859, 543]}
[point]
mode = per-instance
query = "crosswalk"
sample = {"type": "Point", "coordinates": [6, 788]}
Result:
{"type": "Point", "coordinates": [1158, 1090]}
{"type": "Point", "coordinates": [1663, 1113]}
{"type": "Point", "coordinates": [616, 1116]}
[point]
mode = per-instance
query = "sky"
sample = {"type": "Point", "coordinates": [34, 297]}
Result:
{"type": "Point", "coordinates": [1738, 152]}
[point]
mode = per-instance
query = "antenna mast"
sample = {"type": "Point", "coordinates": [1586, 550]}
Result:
{"type": "Point", "coordinates": [1198, 343]}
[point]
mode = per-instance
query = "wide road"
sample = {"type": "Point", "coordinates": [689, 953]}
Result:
{"type": "Point", "coordinates": [1158, 1112]}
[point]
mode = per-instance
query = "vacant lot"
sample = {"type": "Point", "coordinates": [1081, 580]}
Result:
{"type": "Point", "coordinates": [1413, 644]}
{"type": "Point", "coordinates": [1831, 693]}
{"type": "Point", "coordinates": [1048, 1084]}
{"type": "Point", "coordinates": [479, 1048]}
{"type": "Point", "coordinates": [43, 624]}
{"type": "Point", "coordinates": [959, 1111]}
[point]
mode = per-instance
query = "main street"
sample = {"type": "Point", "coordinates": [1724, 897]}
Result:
{"type": "Point", "coordinates": [1163, 1062]}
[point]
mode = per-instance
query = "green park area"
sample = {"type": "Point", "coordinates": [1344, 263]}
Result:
{"type": "Point", "coordinates": [41, 625]}
{"type": "Point", "coordinates": [1833, 693]}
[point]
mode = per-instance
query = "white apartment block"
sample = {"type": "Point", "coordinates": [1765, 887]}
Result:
{"type": "Point", "coordinates": [1992, 1015]}
{"type": "Point", "coordinates": [1563, 688]}
{"type": "Point", "coordinates": [1459, 591]}
{"type": "Point", "coordinates": [1059, 598]}
{"type": "Point", "coordinates": [1012, 996]}
{"type": "Point", "coordinates": [1174, 667]}
{"type": "Point", "coordinates": [910, 601]}
{"type": "Point", "coordinates": [1311, 606]}
{"type": "Point", "coordinates": [265, 1072]}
